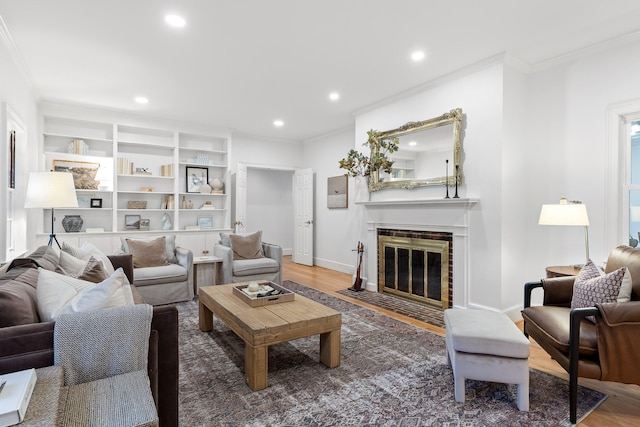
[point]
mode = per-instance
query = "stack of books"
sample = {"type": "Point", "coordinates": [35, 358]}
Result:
{"type": "Point", "coordinates": [15, 393]}
{"type": "Point", "coordinates": [78, 146]}
{"type": "Point", "coordinates": [166, 170]}
{"type": "Point", "coordinates": [168, 202]}
{"type": "Point", "coordinates": [125, 167]}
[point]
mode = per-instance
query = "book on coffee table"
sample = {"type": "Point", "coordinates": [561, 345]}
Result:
{"type": "Point", "coordinates": [15, 396]}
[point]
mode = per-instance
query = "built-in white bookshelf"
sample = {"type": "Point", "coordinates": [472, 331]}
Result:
{"type": "Point", "coordinates": [138, 175]}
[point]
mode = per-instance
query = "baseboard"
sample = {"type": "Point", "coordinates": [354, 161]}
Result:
{"type": "Point", "coordinates": [287, 252]}
{"type": "Point", "coordinates": [332, 265]}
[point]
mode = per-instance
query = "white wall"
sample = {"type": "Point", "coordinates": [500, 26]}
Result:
{"type": "Point", "coordinates": [336, 230]}
{"type": "Point", "coordinates": [15, 91]}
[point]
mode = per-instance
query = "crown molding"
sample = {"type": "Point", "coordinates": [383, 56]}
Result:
{"type": "Point", "coordinates": [10, 43]}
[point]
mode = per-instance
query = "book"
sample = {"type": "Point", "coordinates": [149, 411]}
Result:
{"type": "Point", "coordinates": [15, 396]}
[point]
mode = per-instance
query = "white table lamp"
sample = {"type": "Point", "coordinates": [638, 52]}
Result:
{"type": "Point", "coordinates": [568, 213]}
{"type": "Point", "coordinates": [49, 190]}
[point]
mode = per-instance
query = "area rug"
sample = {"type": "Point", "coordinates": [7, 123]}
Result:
{"type": "Point", "coordinates": [399, 305]}
{"type": "Point", "coordinates": [391, 374]}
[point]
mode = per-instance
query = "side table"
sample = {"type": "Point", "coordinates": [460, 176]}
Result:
{"type": "Point", "coordinates": [205, 271]}
{"type": "Point", "coordinates": [562, 271]}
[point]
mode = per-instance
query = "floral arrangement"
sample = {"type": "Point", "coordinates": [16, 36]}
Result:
{"type": "Point", "coordinates": [358, 164]}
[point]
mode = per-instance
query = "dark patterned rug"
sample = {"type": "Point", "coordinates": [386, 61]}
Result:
{"type": "Point", "coordinates": [399, 305]}
{"type": "Point", "coordinates": [392, 374]}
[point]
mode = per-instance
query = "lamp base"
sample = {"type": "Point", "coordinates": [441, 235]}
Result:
{"type": "Point", "coordinates": [52, 237]}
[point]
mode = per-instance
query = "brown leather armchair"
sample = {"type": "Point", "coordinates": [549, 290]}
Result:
{"type": "Point", "coordinates": [607, 350]}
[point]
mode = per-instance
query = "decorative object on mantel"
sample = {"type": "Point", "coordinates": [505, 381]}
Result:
{"type": "Point", "coordinates": [358, 164]}
{"type": "Point", "coordinates": [455, 196]}
{"type": "Point", "coordinates": [72, 223]}
{"type": "Point", "coordinates": [357, 283]}
{"type": "Point", "coordinates": [446, 180]}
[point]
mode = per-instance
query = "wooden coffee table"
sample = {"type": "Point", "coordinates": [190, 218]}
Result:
{"type": "Point", "coordinates": [260, 327]}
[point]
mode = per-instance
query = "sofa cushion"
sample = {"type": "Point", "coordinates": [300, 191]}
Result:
{"type": "Point", "coordinates": [88, 250]}
{"type": "Point", "coordinates": [155, 275]}
{"type": "Point", "coordinates": [91, 270]}
{"type": "Point", "coordinates": [18, 297]}
{"type": "Point", "coordinates": [57, 293]}
{"type": "Point", "coordinates": [170, 246]}
{"type": "Point", "coordinates": [590, 287]}
{"type": "Point", "coordinates": [247, 246]}
{"type": "Point", "coordinates": [148, 253]}
{"type": "Point", "coordinates": [250, 267]}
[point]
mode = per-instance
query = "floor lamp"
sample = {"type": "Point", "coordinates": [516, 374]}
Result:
{"type": "Point", "coordinates": [50, 190]}
{"type": "Point", "coordinates": [567, 213]}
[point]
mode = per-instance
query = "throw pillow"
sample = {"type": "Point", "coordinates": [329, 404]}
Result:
{"type": "Point", "coordinates": [18, 297]}
{"type": "Point", "coordinates": [86, 251]}
{"type": "Point", "coordinates": [590, 287]}
{"type": "Point", "coordinates": [248, 246]}
{"type": "Point", "coordinates": [56, 291]}
{"type": "Point", "coordinates": [170, 243]}
{"type": "Point", "coordinates": [93, 271]}
{"type": "Point", "coordinates": [150, 253]}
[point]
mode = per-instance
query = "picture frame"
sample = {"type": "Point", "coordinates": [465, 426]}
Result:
{"type": "Point", "coordinates": [205, 222]}
{"type": "Point", "coordinates": [96, 203]}
{"type": "Point", "coordinates": [337, 192]}
{"type": "Point", "coordinates": [84, 173]}
{"type": "Point", "coordinates": [196, 177]}
{"type": "Point", "coordinates": [132, 222]}
{"type": "Point", "coordinates": [84, 201]}
{"type": "Point", "coordinates": [145, 224]}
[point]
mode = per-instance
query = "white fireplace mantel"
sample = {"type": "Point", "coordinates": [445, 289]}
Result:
{"type": "Point", "coordinates": [461, 203]}
{"type": "Point", "coordinates": [438, 215]}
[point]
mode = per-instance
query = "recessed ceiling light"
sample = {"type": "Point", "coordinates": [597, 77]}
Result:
{"type": "Point", "coordinates": [413, 143]}
{"type": "Point", "coordinates": [278, 123]}
{"type": "Point", "coordinates": [334, 96]}
{"type": "Point", "coordinates": [417, 56]}
{"type": "Point", "coordinates": [175, 20]}
{"type": "Point", "coordinates": [141, 100]}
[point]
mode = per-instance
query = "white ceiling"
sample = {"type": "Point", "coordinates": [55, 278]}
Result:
{"type": "Point", "coordinates": [241, 64]}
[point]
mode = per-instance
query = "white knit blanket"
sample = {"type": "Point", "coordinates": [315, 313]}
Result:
{"type": "Point", "coordinates": [102, 343]}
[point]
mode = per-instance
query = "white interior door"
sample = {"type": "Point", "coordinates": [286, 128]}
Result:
{"type": "Point", "coordinates": [303, 206]}
{"type": "Point", "coordinates": [241, 199]}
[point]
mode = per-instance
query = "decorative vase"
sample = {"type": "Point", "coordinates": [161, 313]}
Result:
{"type": "Point", "coordinates": [72, 223]}
{"type": "Point", "coordinates": [216, 184]}
{"type": "Point", "coordinates": [361, 192]}
{"type": "Point", "coordinates": [205, 189]}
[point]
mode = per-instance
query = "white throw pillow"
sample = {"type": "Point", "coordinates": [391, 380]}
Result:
{"type": "Point", "coordinates": [57, 293]}
{"type": "Point", "coordinates": [70, 265]}
{"type": "Point", "coordinates": [88, 250]}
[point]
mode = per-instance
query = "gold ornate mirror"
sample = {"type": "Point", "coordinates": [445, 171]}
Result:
{"type": "Point", "coordinates": [424, 149]}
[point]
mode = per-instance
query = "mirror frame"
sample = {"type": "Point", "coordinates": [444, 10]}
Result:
{"type": "Point", "coordinates": [453, 117]}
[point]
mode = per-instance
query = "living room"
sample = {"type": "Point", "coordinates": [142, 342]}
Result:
{"type": "Point", "coordinates": [534, 131]}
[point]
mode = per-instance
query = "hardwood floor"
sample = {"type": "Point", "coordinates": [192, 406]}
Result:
{"type": "Point", "coordinates": [621, 408]}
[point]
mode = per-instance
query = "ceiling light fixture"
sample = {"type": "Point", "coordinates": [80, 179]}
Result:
{"type": "Point", "coordinates": [417, 56]}
{"type": "Point", "coordinates": [141, 100]}
{"type": "Point", "coordinates": [334, 96]}
{"type": "Point", "coordinates": [175, 21]}
{"type": "Point", "coordinates": [278, 123]}
{"type": "Point", "coordinates": [413, 143]}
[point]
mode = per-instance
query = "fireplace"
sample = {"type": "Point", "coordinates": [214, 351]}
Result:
{"type": "Point", "coordinates": [416, 265]}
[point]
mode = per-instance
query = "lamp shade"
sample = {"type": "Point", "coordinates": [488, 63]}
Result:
{"type": "Point", "coordinates": [51, 190]}
{"type": "Point", "coordinates": [564, 214]}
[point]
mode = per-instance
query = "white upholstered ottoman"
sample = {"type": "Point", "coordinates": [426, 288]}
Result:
{"type": "Point", "coordinates": [487, 346]}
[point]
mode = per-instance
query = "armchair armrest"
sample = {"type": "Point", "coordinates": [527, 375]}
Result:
{"type": "Point", "coordinates": [226, 254]}
{"type": "Point", "coordinates": [558, 291]}
{"type": "Point", "coordinates": [272, 251]}
{"type": "Point", "coordinates": [618, 327]}
{"type": "Point", "coordinates": [528, 288]}
{"type": "Point", "coordinates": [125, 261]}
{"type": "Point", "coordinates": [185, 259]}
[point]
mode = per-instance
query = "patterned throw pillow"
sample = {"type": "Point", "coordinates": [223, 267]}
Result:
{"type": "Point", "coordinates": [590, 287]}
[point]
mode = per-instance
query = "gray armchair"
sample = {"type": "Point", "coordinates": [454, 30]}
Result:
{"type": "Point", "coordinates": [233, 270]}
{"type": "Point", "coordinates": [165, 284]}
